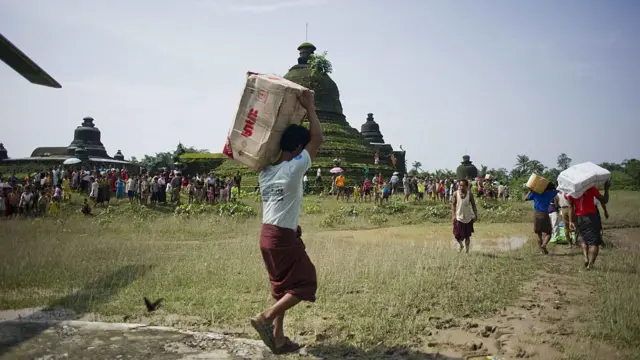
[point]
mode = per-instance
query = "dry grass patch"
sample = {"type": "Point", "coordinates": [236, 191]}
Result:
{"type": "Point", "coordinates": [378, 283]}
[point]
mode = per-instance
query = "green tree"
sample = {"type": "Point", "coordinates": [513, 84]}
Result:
{"type": "Point", "coordinates": [501, 174]}
{"type": "Point", "coordinates": [319, 64]}
{"type": "Point", "coordinates": [483, 171]}
{"type": "Point", "coordinates": [416, 166]}
{"type": "Point", "coordinates": [522, 165]}
{"type": "Point", "coordinates": [632, 167]}
{"type": "Point", "coordinates": [536, 166]}
{"type": "Point", "coordinates": [551, 174]}
{"type": "Point", "coordinates": [563, 161]}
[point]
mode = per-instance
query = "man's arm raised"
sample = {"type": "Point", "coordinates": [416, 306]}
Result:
{"type": "Point", "coordinates": [316, 138]}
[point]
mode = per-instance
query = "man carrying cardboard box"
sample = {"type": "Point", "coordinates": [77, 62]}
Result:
{"type": "Point", "coordinates": [291, 272]}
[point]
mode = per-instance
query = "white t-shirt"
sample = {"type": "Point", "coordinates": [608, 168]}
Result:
{"type": "Point", "coordinates": [562, 201]}
{"type": "Point", "coordinates": [94, 189]}
{"type": "Point", "coordinates": [129, 185]}
{"type": "Point", "coordinates": [281, 190]}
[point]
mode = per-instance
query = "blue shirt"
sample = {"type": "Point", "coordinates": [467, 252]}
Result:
{"type": "Point", "coordinates": [542, 201]}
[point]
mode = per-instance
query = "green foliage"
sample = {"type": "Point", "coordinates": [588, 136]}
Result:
{"type": "Point", "coordinates": [563, 162]}
{"type": "Point", "coordinates": [198, 156]}
{"type": "Point", "coordinates": [333, 219]}
{"type": "Point", "coordinates": [319, 64]}
{"type": "Point", "coordinates": [620, 180]}
{"type": "Point", "coordinates": [203, 163]}
{"type": "Point", "coordinates": [311, 209]}
{"type": "Point", "coordinates": [231, 209]}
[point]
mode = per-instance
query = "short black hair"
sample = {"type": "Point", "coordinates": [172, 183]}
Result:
{"type": "Point", "coordinates": [294, 137]}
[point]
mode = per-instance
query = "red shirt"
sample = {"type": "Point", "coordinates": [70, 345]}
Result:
{"type": "Point", "coordinates": [586, 204]}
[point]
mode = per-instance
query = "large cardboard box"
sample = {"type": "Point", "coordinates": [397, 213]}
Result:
{"type": "Point", "coordinates": [579, 178]}
{"type": "Point", "coordinates": [537, 183]}
{"type": "Point", "coordinates": [268, 105]}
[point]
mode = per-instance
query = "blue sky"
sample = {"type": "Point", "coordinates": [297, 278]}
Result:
{"type": "Point", "coordinates": [492, 78]}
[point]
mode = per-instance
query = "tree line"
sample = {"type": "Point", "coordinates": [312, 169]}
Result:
{"type": "Point", "coordinates": [625, 175]}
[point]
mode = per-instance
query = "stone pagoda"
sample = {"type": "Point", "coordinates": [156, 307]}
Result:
{"type": "Point", "coordinates": [87, 135]}
{"type": "Point", "coordinates": [355, 150]}
{"type": "Point", "coordinates": [3, 152]}
{"type": "Point", "coordinates": [466, 169]}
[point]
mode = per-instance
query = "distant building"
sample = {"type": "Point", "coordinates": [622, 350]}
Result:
{"type": "Point", "coordinates": [86, 146]}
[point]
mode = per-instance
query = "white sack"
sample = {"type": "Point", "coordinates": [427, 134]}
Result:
{"type": "Point", "coordinates": [579, 178]}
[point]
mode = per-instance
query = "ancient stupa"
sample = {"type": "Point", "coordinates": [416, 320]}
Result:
{"type": "Point", "coordinates": [466, 170]}
{"type": "Point", "coordinates": [87, 135]}
{"type": "Point", "coordinates": [86, 146]}
{"type": "Point", "coordinates": [3, 152]}
{"type": "Point", "coordinates": [356, 150]}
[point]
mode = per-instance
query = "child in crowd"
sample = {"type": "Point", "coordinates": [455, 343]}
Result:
{"type": "Point", "coordinates": [376, 193]}
{"type": "Point", "coordinates": [86, 209]}
{"type": "Point", "coordinates": [386, 192]}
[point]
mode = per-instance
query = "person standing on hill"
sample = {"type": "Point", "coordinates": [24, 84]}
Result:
{"type": "Point", "coordinates": [340, 186]}
{"type": "Point", "coordinates": [587, 221]}
{"type": "Point", "coordinates": [291, 272]}
{"type": "Point", "coordinates": [406, 186]}
{"type": "Point", "coordinates": [541, 219]}
{"type": "Point", "coordinates": [463, 214]}
{"type": "Point", "coordinates": [236, 182]}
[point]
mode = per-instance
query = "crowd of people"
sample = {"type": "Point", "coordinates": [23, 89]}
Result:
{"type": "Point", "coordinates": [42, 193]}
{"type": "Point", "coordinates": [378, 189]}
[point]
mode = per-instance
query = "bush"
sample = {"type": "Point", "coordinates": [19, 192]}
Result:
{"type": "Point", "coordinates": [201, 163]}
{"type": "Point", "coordinates": [333, 219]}
{"type": "Point", "coordinates": [232, 209]}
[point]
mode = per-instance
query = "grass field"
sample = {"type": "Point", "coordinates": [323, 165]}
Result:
{"type": "Point", "coordinates": [385, 273]}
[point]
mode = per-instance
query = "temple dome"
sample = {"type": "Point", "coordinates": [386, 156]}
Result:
{"type": "Point", "coordinates": [326, 91]}
{"type": "Point", "coordinates": [87, 135]}
{"type": "Point", "coordinates": [81, 153]}
{"type": "Point", "coordinates": [3, 152]}
{"type": "Point", "coordinates": [466, 170]}
{"type": "Point", "coordinates": [371, 130]}
{"type": "Point", "coordinates": [119, 156]}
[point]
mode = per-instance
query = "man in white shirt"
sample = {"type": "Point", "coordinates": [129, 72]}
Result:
{"type": "Point", "coordinates": [291, 272]}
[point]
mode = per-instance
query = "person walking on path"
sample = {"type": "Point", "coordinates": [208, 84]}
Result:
{"type": "Point", "coordinates": [541, 220]}
{"type": "Point", "coordinates": [463, 214]}
{"type": "Point", "coordinates": [291, 273]}
{"type": "Point", "coordinates": [564, 211]}
{"type": "Point", "coordinates": [584, 218]}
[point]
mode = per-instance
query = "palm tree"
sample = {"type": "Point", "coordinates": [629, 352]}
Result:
{"type": "Point", "coordinates": [416, 165]}
{"type": "Point", "coordinates": [536, 167]}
